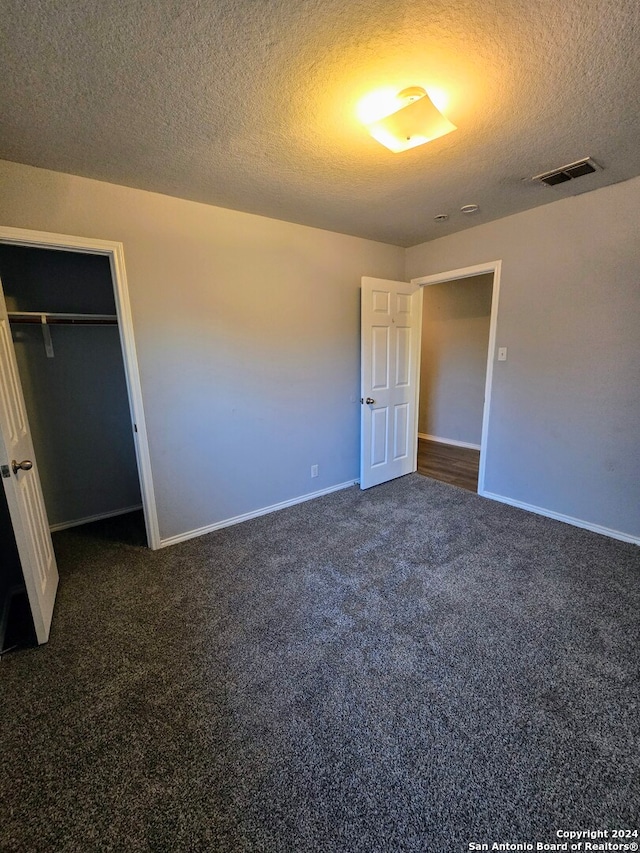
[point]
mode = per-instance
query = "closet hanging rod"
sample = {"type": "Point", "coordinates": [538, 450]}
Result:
{"type": "Point", "coordinates": [53, 318]}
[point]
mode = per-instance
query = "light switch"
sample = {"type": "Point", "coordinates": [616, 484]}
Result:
{"type": "Point", "coordinates": [502, 353]}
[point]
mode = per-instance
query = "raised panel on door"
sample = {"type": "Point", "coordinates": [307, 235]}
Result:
{"type": "Point", "coordinates": [380, 358]}
{"type": "Point", "coordinates": [404, 305]}
{"type": "Point", "coordinates": [381, 302]}
{"type": "Point", "coordinates": [379, 437]}
{"type": "Point", "coordinates": [38, 529]}
{"type": "Point", "coordinates": [403, 357]}
{"type": "Point", "coordinates": [400, 431]}
{"type": "Point", "coordinates": [10, 393]}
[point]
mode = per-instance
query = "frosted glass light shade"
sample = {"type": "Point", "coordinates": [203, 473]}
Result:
{"type": "Point", "coordinates": [418, 122]}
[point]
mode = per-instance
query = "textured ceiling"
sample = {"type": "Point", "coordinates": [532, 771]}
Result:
{"type": "Point", "coordinates": [250, 104]}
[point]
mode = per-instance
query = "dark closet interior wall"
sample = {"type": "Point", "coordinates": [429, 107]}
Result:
{"type": "Point", "coordinates": [76, 401]}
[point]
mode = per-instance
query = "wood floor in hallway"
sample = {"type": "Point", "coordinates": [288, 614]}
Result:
{"type": "Point", "coordinates": [449, 464]}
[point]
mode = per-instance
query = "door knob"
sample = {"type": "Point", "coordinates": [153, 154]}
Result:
{"type": "Point", "coordinates": [369, 400]}
{"type": "Point", "coordinates": [25, 465]}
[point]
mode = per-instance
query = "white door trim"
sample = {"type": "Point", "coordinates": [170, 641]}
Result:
{"type": "Point", "coordinates": [494, 267]}
{"type": "Point", "coordinates": [115, 252]}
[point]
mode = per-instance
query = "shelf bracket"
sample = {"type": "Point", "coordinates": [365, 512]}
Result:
{"type": "Point", "coordinates": [46, 336]}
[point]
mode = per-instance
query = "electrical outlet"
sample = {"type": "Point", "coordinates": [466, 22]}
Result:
{"type": "Point", "coordinates": [314, 470]}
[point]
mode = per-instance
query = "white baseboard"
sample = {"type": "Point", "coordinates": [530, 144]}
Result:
{"type": "Point", "coordinates": [568, 519]}
{"type": "Point", "coordinates": [451, 441]}
{"type": "Point", "coordinates": [64, 525]}
{"type": "Point", "coordinates": [238, 519]}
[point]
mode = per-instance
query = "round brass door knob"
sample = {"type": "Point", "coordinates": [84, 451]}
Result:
{"type": "Point", "coordinates": [25, 465]}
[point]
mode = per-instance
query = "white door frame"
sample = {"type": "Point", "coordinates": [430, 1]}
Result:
{"type": "Point", "coordinates": [115, 252]}
{"type": "Point", "coordinates": [466, 272]}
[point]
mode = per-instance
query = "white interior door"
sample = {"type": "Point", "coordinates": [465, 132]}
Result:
{"type": "Point", "coordinates": [390, 344]}
{"type": "Point", "coordinates": [22, 488]}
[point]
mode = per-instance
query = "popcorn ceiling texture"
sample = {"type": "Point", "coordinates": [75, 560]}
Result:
{"type": "Point", "coordinates": [251, 105]}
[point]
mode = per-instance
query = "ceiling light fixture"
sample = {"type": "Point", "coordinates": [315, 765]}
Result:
{"type": "Point", "coordinates": [414, 121]}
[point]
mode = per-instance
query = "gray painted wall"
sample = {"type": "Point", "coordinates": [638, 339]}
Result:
{"type": "Point", "coordinates": [455, 337]}
{"type": "Point", "coordinates": [565, 408]}
{"type": "Point", "coordinates": [247, 331]}
{"type": "Point", "coordinates": [77, 401]}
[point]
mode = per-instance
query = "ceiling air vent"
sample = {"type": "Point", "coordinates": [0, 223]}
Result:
{"type": "Point", "coordinates": [574, 170]}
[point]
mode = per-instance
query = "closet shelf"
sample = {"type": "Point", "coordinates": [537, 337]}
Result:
{"type": "Point", "coordinates": [54, 318]}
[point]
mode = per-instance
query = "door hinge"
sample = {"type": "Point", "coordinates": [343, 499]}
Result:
{"type": "Point", "coordinates": [4, 469]}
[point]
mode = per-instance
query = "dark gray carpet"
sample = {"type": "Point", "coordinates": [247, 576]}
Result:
{"type": "Point", "coordinates": [408, 669]}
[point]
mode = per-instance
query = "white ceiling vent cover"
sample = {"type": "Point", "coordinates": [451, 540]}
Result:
{"type": "Point", "coordinates": [567, 173]}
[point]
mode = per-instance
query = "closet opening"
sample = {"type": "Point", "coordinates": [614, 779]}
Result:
{"type": "Point", "coordinates": [63, 318]}
{"type": "Point", "coordinates": [64, 326]}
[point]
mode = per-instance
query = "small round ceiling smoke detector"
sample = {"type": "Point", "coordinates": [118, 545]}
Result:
{"type": "Point", "coordinates": [469, 208]}
{"type": "Point", "coordinates": [441, 217]}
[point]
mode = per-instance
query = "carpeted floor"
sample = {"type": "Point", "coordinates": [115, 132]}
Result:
{"type": "Point", "coordinates": [411, 668]}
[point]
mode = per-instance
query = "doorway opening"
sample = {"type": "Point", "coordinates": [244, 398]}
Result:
{"type": "Point", "coordinates": [459, 314]}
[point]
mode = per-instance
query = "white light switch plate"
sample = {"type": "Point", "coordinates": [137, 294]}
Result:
{"type": "Point", "coordinates": [502, 353]}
